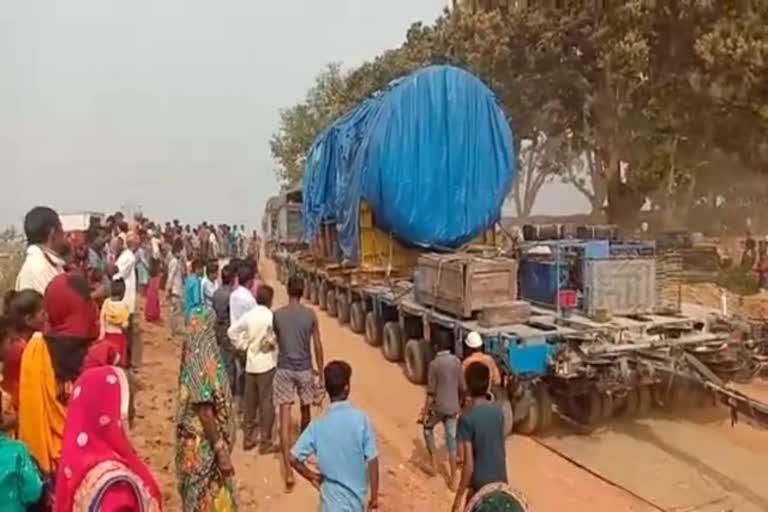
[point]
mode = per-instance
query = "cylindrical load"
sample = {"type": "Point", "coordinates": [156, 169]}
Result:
{"type": "Point", "coordinates": [432, 155]}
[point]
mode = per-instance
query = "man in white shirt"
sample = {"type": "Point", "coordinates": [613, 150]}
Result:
{"type": "Point", "coordinates": [213, 245]}
{"type": "Point", "coordinates": [241, 299]}
{"type": "Point", "coordinates": [253, 333]}
{"type": "Point", "coordinates": [208, 284]}
{"type": "Point", "coordinates": [47, 242]}
{"type": "Point", "coordinates": [175, 286]}
{"type": "Point", "coordinates": [156, 244]}
{"type": "Point", "coordinates": [126, 270]}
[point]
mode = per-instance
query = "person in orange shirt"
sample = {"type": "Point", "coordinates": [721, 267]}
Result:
{"type": "Point", "coordinates": [473, 353]}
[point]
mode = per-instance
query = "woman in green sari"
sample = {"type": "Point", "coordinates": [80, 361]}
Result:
{"type": "Point", "coordinates": [20, 484]}
{"type": "Point", "coordinates": [499, 497]}
{"type": "Point", "coordinates": [205, 426]}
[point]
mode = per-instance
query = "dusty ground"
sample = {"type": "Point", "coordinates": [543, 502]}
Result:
{"type": "Point", "coordinates": [708, 295]}
{"type": "Point", "coordinates": [549, 481]}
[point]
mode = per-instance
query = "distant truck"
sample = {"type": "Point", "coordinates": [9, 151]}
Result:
{"type": "Point", "coordinates": [75, 226]}
{"type": "Point", "coordinates": [79, 222]}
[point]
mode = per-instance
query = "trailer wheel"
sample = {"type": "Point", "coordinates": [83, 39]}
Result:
{"type": "Point", "coordinates": [506, 411]}
{"type": "Point", "coordinates": [539, 416]}
{"type": "Point", "coordinates": [357, 317]}
{"type": "Point", "coordinates": [586, 408]}
{"type": "Point", "coordinates": [681, 394]}
{"type": "Point", "coordinates": [330, 303]}
{"type": "Point", "coordinates": [608, 406]}
{"type": "Point", "coordinates": [631, 405]}
{"type": "Point", "coordinates": [645, 401]}
{"type": "Point", "coordinates": [373, 334]}
{"type": "Point", "coordinates": [676, 396]}
{"type": "Point", "coordinates": [546, 411]}
{"type": "Point", "coordinates": [322, 296]}
{"type": "Point", "coordinates": [342, 308]}
{"type": "Point", "coordinates": [418, 354]}
{"type": "Point", "coordinates": [393, 342]}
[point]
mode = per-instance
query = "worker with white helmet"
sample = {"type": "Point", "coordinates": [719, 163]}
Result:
{"type": "Point", "coordinates": [473, 353]}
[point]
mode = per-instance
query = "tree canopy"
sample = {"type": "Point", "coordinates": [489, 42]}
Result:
{"type": "Point", "coordinates": [639, 101]}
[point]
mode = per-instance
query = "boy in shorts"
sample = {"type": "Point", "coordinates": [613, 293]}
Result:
{"type": "Point", "coordinates": [298, 334]}
{"type": "Point", "coordinates": [445, 390]}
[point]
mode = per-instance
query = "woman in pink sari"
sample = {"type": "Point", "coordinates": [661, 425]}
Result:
{"type": "Point", "coordinates": [152, 305]}
{"type": "Point", "coordinates": [99, 469]}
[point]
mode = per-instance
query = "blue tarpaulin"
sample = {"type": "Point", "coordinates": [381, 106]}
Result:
{"type": "Point", "coordinates": [432, 154]}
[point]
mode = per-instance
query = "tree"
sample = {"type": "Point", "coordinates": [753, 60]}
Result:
{"type": "Point", "coordinates": [300, 124]}
{"type": "Point", "coordinates": [627, 101]}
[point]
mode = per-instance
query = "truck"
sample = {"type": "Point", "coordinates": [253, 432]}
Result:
{"type": "Point", "coordinates": [76, 226]}
{"type": "Point", "coordinates": [281, 223]}
{"type": "Point", "coordinates": [567, 358]}
{"type": "Point", "coordinates": [402, 248]}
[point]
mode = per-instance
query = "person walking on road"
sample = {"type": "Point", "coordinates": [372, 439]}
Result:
{"type": "Point", "coordinates": [253, 334]}
{"type": "Point", "coordinates": [481, 434]}
{"type": "Point", "coordinates": [298, 333]}
{"type": "Point", "coordinates": [445, 387]}
{"type": "Point", "coordinates": [344, 444]}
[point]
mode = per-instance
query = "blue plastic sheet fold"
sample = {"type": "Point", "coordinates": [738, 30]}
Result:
{"type": "Point", "coordinates": [432, 154]}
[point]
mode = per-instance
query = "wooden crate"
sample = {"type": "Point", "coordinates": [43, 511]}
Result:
{"type": "Point", "coordinates": [517, 312]}
{"type": "Point", "coordinates": [463, 284]}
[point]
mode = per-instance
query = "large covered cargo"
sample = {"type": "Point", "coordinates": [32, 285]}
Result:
{"type": "Point", "coordinates": [431, 156]}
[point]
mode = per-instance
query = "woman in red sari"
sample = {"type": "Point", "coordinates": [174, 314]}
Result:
{"type": "Point", "coordinates": [99, 468]}
{"type": "Point", "coordinates": [152, 305]}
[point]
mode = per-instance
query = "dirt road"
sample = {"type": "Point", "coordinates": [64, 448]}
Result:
{"type": "Point", "coordinates": [549, 481]}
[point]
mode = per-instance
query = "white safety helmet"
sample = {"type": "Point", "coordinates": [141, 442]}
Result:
{"type": "Point", "coordinates": [474, 340]}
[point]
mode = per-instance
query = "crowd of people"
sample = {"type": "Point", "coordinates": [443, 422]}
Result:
{"type": "Point", "coordinates": [71, 350]}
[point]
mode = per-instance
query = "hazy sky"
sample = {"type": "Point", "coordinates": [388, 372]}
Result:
{"type": "Point", "coordinates": [167, 104]}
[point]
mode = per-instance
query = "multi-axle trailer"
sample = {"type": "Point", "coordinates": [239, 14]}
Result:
{"type": "Point", "coordinates": [560, 361]}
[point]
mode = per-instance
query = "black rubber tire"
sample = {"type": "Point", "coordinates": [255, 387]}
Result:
{"type": "Point", "coordinates": [322, 296]}
{"type": "Point", "coordinates": [546, 411]}
{"type": "Point", "coordinates": [530, 424]}
{"type": "Point", "coordinates": [587, 408]}
{"type": "Point", "coordinates": [330, 303]}
{"type": "Point", "coordinates": [631, 404]}
{"type": "Point", "coordinates": [357, 317]}
{"type": "Point", "coordinates": [645, 401]}
{"type": "Point", "coordinates": [500, 395]}
{"type": "Point", "coordinates": [608, 406]}
{"type": "Point", "coordinates": [392, 345]}
{"type": "Point", "coordinates": [373, 332]}
{"type": "Point", "coordinates": [342, 307]}
{"type": "Point", "coordinates": [418, 354]}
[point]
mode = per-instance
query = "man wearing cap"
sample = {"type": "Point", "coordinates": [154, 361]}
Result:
{"type": "Point", "coordinates": [473, 353]}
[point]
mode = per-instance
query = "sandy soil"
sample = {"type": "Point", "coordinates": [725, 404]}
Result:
{"type": "Point", "coordinates": [549, 481]}
{"type": "Point", "coordinates": [708, 295]}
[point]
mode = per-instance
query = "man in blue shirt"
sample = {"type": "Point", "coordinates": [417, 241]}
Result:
{"type": "Point", "coordinates": [344, 444]}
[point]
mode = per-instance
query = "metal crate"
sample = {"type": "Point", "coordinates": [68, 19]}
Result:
{"type": "Point", "coordinates": [620, 286]}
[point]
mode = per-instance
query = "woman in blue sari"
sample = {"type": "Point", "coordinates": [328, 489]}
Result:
{"type": "Point", "coordinates": [193, 290]}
